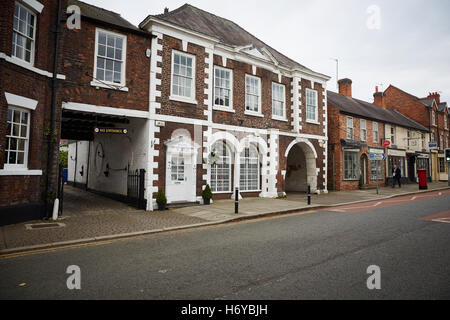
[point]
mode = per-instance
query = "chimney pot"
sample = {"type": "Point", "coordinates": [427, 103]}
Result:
{"type": "Point", "coordinates": [345, 87]}
{"type": "Point", "coordinates": [166, 10]}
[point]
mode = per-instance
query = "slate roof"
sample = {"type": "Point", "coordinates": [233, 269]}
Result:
{"type": "Point", "coordinates": [225, 31]}
{"type": "Point", "coordinates": [105, 16]}
{"type": "Point", "coordinates": [370, 111]}
{"type": "Point", "coordinates": [441, 107]}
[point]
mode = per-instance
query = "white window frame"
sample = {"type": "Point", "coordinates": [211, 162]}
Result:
{"type": "Point", "coordinates": [316, 112]}
{"type": "Point", "coordinates": [283, 101]}
{"type": "Point", "coordinates": [363, 134]}
{"type": "Point", "coordinates": [355, 170]}
{"type": "Point", "coordinates": [352, 135]}
{"type": "Point", "coordinates": [375, 133]}
{"type": "Point", "coordinates": [252, 112]}
{"type": "Point", "coordinates": [441, 142]}
{"type": "Point", "coordinates": [192, 99]}
{"type": "Point", "coordinates": [392, 135]}
{"type": "Point", "coordinates": [229, 156]}
{"type": "Point", "coordinates": [432, 137]}
{"type": "Point", "coordinates": [218, 106]}
{"type": "Point", "coordinates": [33, 40]}
{"type": "Point", "coordinates": [246, 176]}
{"type": "Point", "coordinates": [445, 122]}
{"type": "Point", "coordinates": [107, 84]}
{"type": "Point", "coordinates": [23, 166]}
{"type": "Point", "coordinates": [433, 114]}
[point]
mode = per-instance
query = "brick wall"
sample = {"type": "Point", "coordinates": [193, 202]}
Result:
{"type": "Point", "coordinates": [21, 81]}
{"type": "Point", "coordinates": [337, 126]}
{"type": "Point", "coordinates": [398, 100]}
{"type": "Point", "coordinates": [79, 56]}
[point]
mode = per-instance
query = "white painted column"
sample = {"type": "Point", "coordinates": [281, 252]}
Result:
{"type": "Point", "coordinates": [152, 129]}
{"type": "Point", "coordinates": [273, 164]}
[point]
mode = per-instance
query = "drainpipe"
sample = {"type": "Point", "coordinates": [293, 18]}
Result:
{"type": "Point", "coordinates": [52, 137]}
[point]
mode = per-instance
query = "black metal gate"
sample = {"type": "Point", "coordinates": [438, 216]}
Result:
{"type": "Point", "coordinates": [60, 190]}
{"type": "Point", "coordinates": [136, 188]}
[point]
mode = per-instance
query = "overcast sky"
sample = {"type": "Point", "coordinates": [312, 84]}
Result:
{"type": "Point", "coordinates": [409, 46]}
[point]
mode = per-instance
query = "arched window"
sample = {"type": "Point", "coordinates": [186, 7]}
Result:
{"type": "Point", "coordinates": [221, 170]}
{"type": "Point", "coordinates": [249, 175]}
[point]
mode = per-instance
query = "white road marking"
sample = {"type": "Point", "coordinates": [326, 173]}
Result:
{"type": "Point", "coordinates": [413, 198]}
{"type": "Point", "coordinates": [445, 220]}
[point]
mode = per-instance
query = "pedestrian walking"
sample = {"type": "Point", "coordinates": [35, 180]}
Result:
{"type": "Point", "coordinates": [396, 175]}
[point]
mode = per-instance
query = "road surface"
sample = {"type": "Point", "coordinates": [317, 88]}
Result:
{"type": "Point", "coordinates": [318, 255]}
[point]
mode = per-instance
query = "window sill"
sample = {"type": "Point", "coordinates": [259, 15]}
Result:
{"type": "Point", "coordinates": [249, 191]}
{"type": "Point", "coordinates": [254, 114]}
{"type": "Point", "coordinates": [313, 122]}
{"type": "Point", "coordinates": [222, 192]}
{"type": "Point", "coordinates": [112, 86]}
{"type": "Point", "coordinates": [279, 118]}
{"type": "Point", "coordinates": [20, 172]}
{"type": "Point", "coordinates": [222, 108]}
{"type": "Point", "coordinates": [350, 180]}
{"type": "Point", "coordinates": [183, 99]}
{"type": "Point", "coordinates": [28, 66]}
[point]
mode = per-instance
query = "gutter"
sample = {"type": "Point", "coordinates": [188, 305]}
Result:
{"type": "Point", "coordinates": [52, 134]}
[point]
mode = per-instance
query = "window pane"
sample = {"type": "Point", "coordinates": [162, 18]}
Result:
{"type": "Point", "coordinates": [20, 158]}
{"type": "Point", "coordinates": [23, 131]}
{"type": "Point", "coordinates": [101, 50]}
{"type": "Point", "coordinates": [102, 38]}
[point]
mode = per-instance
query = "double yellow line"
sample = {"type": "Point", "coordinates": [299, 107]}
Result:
{"type": "Point", "coordinates": [53, 249]}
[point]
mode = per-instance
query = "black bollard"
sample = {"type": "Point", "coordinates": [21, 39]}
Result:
{"type": "Point", "coordinates": [309, 195]}
{"type": "Point", "coordinates": [236, 201]}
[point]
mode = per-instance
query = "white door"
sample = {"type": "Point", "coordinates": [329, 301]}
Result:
{"type": "Point", "coordinates": [180, 179]}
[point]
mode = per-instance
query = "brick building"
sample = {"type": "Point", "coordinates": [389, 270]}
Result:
{"type": "Point", "coordinates": [228, 110]}
{"type": "Point", "coordinates": [357, 128]}
{"type": "Point", "coordinates": [432, 114]}
{"type": "Point", "coordinates": [29, 108]}
{"type": "Point", "coordinates": [105, 100]}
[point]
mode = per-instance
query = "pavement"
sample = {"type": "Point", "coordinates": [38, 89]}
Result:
{"type": "Point", "coordinates": [89, 217]}
{"type": "Point", "coordinates": [325, 254]}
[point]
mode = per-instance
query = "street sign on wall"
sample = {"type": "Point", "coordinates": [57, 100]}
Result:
{"type": "Point", "coordinates": [377, 156]}
{"type": "Point", "coordinates": [386, 144]}
{"type": "Point", "coordinates": [432, 145]}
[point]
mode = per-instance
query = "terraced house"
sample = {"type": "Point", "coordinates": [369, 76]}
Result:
{"type": "Point", "coordinates": [358, 128]}
{"type": "Point", "coordinates": [432, 114]}
{"type": "Point", "coordinates": [29, 105]}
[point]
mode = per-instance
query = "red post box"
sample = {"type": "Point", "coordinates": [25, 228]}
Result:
{"type": "Point", "coordinates": [422, 174]}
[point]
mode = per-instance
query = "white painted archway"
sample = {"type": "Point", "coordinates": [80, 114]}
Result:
{"type": "Point", "coordinates": [306, 171]}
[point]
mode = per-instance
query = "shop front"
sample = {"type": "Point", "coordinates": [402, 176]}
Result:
{"type": "Point", "coordinates": [396, 157]}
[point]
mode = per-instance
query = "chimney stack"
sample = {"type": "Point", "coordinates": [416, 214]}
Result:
{"type": "Point", "coordinates": [345, 87]}
{"type": "Point", "coordinates": [379, 98]}
{"type": "Point", "coordinates": [436, 96]}
{"type": "Point", "coordinates": [166, 10]}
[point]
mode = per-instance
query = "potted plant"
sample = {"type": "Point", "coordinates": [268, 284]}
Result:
{"type": "Point", "coordinates": [207, 195]}
{"type": "Point", "coordinates": [161, 200]}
